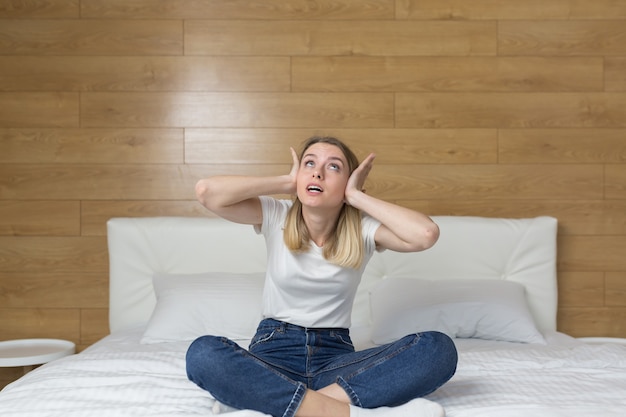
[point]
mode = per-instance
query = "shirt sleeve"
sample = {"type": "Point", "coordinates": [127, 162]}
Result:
{"type": "Point", "coordinates": [369, 226]}
{"type": "Point", "coordinates": [274, 213]}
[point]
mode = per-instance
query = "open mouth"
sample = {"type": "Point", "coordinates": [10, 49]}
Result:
{"type": "Point", "coordinates": [314, 188]}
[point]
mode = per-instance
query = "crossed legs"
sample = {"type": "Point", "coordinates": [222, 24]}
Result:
{"type": "Point", "coordinates": [239, 378]}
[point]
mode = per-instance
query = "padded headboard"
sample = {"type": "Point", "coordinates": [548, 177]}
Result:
{"type": "Point", "coordinates": [520, 250]}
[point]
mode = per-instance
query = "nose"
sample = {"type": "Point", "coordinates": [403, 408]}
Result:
{"type": "Point", "coordinates": [317, 175]}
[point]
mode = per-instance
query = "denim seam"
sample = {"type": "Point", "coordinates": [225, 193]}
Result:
{"type": "Point", "coordinates": [378, 362]}
{"type": "Point", "coordinates": [387, 357]}
{"type": "Point", "coordinates": [296, 400]}
{"type": "Point", "coordinates": [270, 366]}
{"type": "Point", "coordinates": [354, 398]}
{"type": "Point", "coordinates": [260, 361]}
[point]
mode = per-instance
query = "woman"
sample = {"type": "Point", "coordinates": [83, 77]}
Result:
{"type": "Point", "coordinates": [301, 361]}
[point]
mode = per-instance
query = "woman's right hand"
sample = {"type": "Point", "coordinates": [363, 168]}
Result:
{"type": "Point", "coordinates": [293, 174]}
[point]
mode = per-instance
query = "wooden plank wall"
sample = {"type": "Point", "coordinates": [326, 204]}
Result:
{"type": "Point", "coordinates": [117, 107]}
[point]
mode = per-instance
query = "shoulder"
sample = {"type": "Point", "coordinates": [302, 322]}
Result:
{"type": "Point", "coordinates": [274, 212]}
{"type": "Point", "coordinates": [271, 205]}
{"type": "Point", "coordinates": [369, 225]}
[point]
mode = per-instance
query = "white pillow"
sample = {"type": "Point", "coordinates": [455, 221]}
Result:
{"type": "Point", "coordinates": [481, 309]}
{"type": "Point", "coordinates": [215, 303]}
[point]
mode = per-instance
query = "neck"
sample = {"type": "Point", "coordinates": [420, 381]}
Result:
{"type": "Point", "coordinates": [321, 226]}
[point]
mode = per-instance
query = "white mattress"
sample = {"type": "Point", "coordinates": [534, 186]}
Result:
{"type": "Point", "coordinates": [120, 377]}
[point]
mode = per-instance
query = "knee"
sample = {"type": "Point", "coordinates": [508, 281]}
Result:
{"type": "Point", "coordinates": [443, 351]}
{"type": "Point", "coordinates": [201, 347]}
{"type": "Point", "coordinates": [202, 357]}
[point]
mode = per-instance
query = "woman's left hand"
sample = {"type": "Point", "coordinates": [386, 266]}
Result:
{"type": "Point", "coordinates": [356, 182]}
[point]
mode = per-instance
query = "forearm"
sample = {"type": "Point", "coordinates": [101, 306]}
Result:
{"type": "Point", "coordinates": [414, 231]}
{"type": "Point", "coordinates": [223, 191]}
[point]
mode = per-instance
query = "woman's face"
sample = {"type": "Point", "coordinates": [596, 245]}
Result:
{"type": "Point", "coordinates": [322, 177]}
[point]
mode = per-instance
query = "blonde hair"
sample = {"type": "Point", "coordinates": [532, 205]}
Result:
{"type": "Point", "coordinates": [345, 246]}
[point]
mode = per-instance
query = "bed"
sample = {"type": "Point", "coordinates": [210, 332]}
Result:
{"type": "Point", "coordinates": [489, 283]}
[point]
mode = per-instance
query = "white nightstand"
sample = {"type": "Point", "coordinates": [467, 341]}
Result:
{"type": "Point", "coordinates": [29, 352]}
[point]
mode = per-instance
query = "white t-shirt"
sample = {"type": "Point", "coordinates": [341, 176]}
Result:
{"type": "Point", "coordinates": [304, 289]}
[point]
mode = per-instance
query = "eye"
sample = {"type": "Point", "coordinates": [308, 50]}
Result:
{"type": "Point", "coordinates": [309, 163]}
{"type": "Point", "coordinates": [334, 167]}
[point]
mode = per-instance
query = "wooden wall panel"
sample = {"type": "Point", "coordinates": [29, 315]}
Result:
{"type": "Point", "coordinates": [91, 37]}
{"type": "Point", "coordinates": [615, 76]}
{"type": "Point", "coordinates": [580, 289]}
{"type": "Point", "coordinates": [39, 218]}
{"type": "Point", "coordinates": [239, 9]}
{"type": "Point", "coordinates": [592, 253]}
{"type": "Point", "coordinates": [510, 10]}
{"type": "Point", "coordinates": [489, 181]}
{"type": "Point", "coordinates": [513, 110]}
{"type": "Point", "coordinates": [519, 146]}
{"type": "Point", "coordinates": [143, 73]}
{"type": "Point", "coordinates": [54, 289]}
{"type": "Point", "coordinates": [115, 108]}
{"type": "Point", "coordinates": [385, 38]}
{"type": "Point", "coordinates": [575, 217]}
{"type": "Point", "coordinates": [588, 321]}
{"type": "Point", "coordinates": [447, 74]}
{"type": "Point", "coordinates": [49, 9]}
{"type": "Point", "coordinates": [97, 146]}
{"type": "Point", "coordinates": [615, 182]}
{"type": "Point", "coordinates": [94, 325]}
{"type": "Point", "coordinates": [237, 109]}
{"type": "Point", "coordinates": [39, 109]}
{"type": "Point", "coordinates": [40, 322]}
{"type": "Point", "coordinates": [561, 38]}
{"type": "Point", "coordinates": [94, 214]}
{"type": "Point", "coordinates": [53, 254]}
{"type": "Point", "coordinates": [616, 289]}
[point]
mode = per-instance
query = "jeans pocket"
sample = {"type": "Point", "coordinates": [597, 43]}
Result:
{"type": "Point", "coordinates": [262, 336]}
{"type": "Point", "coordinates": [344, 339]}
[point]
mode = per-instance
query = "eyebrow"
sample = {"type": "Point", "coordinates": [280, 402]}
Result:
{"type": "Point", "coordinates": [334, 158]}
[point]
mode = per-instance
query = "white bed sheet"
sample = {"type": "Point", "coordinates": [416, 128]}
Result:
{"type": "Point", "coordinates": [120, 377]}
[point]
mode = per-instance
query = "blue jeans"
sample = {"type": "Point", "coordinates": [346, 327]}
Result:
{"type": "Point", "coordinates": [284, 360]}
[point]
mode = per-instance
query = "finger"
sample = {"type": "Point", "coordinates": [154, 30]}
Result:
{"type": "Point", "coordinates": [370, 158]}
{"type": "Point", "coordinates": [366, 165]}
{"type": "Point", "coordinates": [295, 159]}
